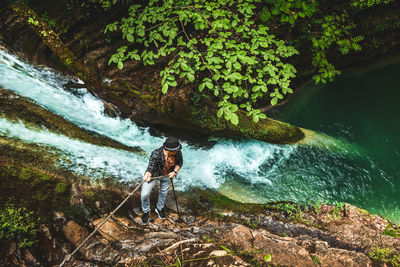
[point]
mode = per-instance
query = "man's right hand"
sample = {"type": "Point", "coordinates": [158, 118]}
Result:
{"type": "Point", "coordinates": [147, 177]}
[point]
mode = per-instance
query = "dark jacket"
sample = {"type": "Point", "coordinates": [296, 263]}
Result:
{"type": "Point", "coordinates": [157, 161]}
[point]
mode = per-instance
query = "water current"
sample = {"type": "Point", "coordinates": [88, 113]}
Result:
{"type": "Point", "coordinates": [246, 170]}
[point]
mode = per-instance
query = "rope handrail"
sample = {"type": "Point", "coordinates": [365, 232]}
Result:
{"type": "Point", "coordinates": [108, 217]}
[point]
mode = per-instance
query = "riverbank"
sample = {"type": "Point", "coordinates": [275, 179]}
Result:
{"type": "Point", "coordinates": [218, 230]}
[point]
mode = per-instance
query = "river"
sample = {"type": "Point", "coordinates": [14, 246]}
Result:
{"type": "Point", "coordinates": [360, 169]}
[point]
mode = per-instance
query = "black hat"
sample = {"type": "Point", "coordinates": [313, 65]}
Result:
{"type": "Point", "coordinates": [172, 144]}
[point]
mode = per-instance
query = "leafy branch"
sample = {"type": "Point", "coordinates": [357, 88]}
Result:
{"type": "Point", "coordinates": [216, 45]}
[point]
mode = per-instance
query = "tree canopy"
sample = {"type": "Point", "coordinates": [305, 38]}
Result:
{"type": "Point", "coordinates": [226, 49]}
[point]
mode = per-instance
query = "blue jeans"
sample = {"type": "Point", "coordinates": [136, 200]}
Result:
{"type": "Point", "coordinates": [146, 190]}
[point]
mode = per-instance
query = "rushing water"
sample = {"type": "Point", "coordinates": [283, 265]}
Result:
{"type": "Point", "coordinates": [248, 170]}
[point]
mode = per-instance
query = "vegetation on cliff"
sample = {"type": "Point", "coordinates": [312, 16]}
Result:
{"type": "Point", "coordinates": [229, 51]}
{"type": "Point", "coordinates": [193, 59]}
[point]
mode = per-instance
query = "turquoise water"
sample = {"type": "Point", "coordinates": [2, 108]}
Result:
{"type": "Point", "coordinates": [361, 108]}
{"type": "Point", "coordinates": [357, 167]}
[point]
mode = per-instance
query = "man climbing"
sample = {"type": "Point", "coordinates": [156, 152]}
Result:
{"type": "Point", "coordinates": [166, 160]}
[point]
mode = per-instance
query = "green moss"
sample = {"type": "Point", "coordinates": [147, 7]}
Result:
{"type": "Point", "coordinates": [38, 192]}
{"type": "Point", "coordinates": [25, 174]}
{"type": "Point", "coordinates": [60, 188]}
{"type": "Point", "coordinates": [385, 255]}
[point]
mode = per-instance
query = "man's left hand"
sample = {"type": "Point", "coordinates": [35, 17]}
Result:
{"type": "Point", "coordinates": [171, 175]}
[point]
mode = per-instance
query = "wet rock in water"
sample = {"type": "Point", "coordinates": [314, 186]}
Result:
{"type": "Point", "coordinates": [111, 110]}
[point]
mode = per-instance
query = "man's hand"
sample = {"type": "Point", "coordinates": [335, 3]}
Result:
{"type": "Point", "coordinates": [147, 177]}
{"type": "Point", "coordinates": [171, 175]}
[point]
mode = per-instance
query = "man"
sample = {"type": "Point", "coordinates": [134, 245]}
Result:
{"type": "Point", "coordinates": [166, 160]}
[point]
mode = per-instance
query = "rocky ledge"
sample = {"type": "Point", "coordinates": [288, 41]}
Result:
{"type": "Point", "coordinates": [212, 231]}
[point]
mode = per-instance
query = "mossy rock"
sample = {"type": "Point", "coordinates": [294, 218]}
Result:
{"type": "Point", "coordinates": [40, 192]}
{"type": "Point", "coordinates": [267, 130]}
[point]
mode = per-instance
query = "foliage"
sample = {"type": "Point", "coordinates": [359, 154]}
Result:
{"type": "Point", "coordinates": [338, 209]}
{"type": "Point", "coordinates": [33, 21]}
{"type": "Point", "coordinates": [59, 29]}
{"type": "Point", "coordinates": [289, 11]}
{"type": "Point", "coordinates": [215, 42]}
{"type": "Point", "coordinates": [19, 225]}
{"type": "Point", "coordinates": [335, 30]}
{"type": "Point", "coordinates": [315, 259]}
{"type": "Point", "coordinates": [267, 257]}
{"type": "Point", "coordinates": [293, 210]}
{"type": "Point", "coordinates": [385, 255]}
{"type": "Point", "coordinates": [391, 231]}
{"type": "Point", "coordinates": [368, 3]}
{"type": "Point", "coordinates": [317, 205]}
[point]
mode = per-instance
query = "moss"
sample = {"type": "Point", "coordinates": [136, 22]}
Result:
{"type": "Point", "coordinates": [60, 188]}
{"type": "Point", "coordinates": [39, 192]}
{"type": "Point", "coordinates": [265, 130]}
{"type": "Point", "coordinates": [25, 174]}
{"type": "Point", "coordinates": [385, 255]}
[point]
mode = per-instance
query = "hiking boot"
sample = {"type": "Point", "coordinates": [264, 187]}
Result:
{"type": "Point", "coordinates": [161, 214]}
{"type": "Point", "coordinates": [145, 218]}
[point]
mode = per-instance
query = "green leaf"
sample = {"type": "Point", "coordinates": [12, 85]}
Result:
{"type": "Point", "coordinates": [235, 121]}
{"type": "Point", "coordinates": [220, 112]}
{"type": "Point", "coordinates": [233, 108]}
{"type": "Point", "coordinates": [129, 37]}
{"type": "Point", "coordinates": [172, 83]}
{"type": "Point", "coordinates": [267, 257]}
{"type": "Point", "coordinates": [237, 75]}
{"type": "Point", "coordinates": [164, 88]}
{"type": "Point", "coordinates": [120, 65]}
{"type": "Point", "coordinates": [201, 86]}
{"type": "Point", "coordinates": [274, 101]}
{"type": "Point", "coordinates": [190, 77]}
{"type": "Point", "coordinates": [255, 118]}
{"type": "Point", "coordinates": [237, 65]}
{"type": "Point", "coordinates": [262, 116]}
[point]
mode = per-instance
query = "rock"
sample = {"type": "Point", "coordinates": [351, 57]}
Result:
{"type": "Point", "coordinates": [59, 217]}
{"type": "Point", "coordinates": [111, 110]}
{"type": "Point", "coordinates": [75, 233]}
{"type": "Point", "coordinates": [218, 253]}
{"type": "Point", "coordinates": [284, 250]}
{"type": "Point", "coordinates": [343, 258]}
{"type": "Point", "coordinates": [45, 231]}
{"type": "Point", "coordinates": [30, 259]}
{"type": "Point", "coordinates": [114, 228]}
{"type": "Point", "coordinates": [242, 237]}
